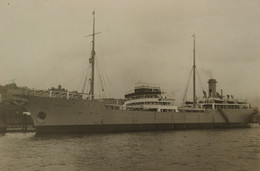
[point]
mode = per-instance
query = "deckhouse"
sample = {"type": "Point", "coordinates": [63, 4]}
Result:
{"type": "Point", "coordinates": [149, 97]}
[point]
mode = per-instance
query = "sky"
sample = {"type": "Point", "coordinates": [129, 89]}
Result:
{"type": "Point", "coordinates": [44, 44]}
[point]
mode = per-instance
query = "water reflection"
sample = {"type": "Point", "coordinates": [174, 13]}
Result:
{"type": "Point", "coordinates": [181, 150]}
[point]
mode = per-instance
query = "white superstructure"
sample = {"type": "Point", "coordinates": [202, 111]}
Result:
{"type": "Point", "coordinates": [149, 97]}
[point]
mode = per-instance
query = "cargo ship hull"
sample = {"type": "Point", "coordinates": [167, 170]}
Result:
{"type": "Point", "coordinates": [55, 115]}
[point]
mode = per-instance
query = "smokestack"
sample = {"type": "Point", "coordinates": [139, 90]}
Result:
{"type": "Point", "coordinates": [212, 87]}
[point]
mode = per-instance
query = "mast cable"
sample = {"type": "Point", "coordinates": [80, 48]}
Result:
{"type": "Point", "coordinates": [187, 86]}
{"type": "Point", "coordinates": [200, 80]}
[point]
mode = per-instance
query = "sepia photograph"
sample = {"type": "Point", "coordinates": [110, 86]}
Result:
{"type": "Point", "coordinates": [129, 85]}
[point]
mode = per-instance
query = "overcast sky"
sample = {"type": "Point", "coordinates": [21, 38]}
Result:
{"type": "Point", "coordinates": [42, 43]}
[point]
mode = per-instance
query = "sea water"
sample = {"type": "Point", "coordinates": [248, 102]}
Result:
{"type": "Point", "coordinates": [221, 149]}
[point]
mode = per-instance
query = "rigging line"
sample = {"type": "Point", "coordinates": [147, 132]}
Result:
{"type": "Point", "coordinates": [88, 83]}
{"type": "Point", "coordinates": [81, 80]}
{"type": "Point", "coordinates": [102, 86]}
{"type": "Point", "coordinates": [85, 81]}
{"type": "Point", "coordinates": [112, 89]}
{"type": "Point", "coordinates": [87, 90]}
{"type": "Point", "coordinates": [51, 70]}
{"type": "Point", "coordinates": [98, 93]}
{"type": "Point", "coordinates": [106, 90]}
{"type": "Point", "coordinates": [80, 83]}
{"type": "Point", "coordinates": [103, 91]}
{"type": "Point", "coordinates": [98, 85]}
{"type": "Point", "coordinates": [98, 82]}
{"type": "Point", "coordinates": [108, 83]}
{"type": "Point", "coordinates": [200, 80]}
{"type": "Point", "coordinates": [74, 77]}
{"type": "Point", "coordinates": [107, 87]}
{"type": "Point", "coordinates": [187, 85]}
{"type": "Point", "coordinates": [77, 75]}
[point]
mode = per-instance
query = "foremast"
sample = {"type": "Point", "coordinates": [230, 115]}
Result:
{"type": "Point", "coordinates": [194, 73]}
{"type": "Point", "coordinates": [92, 61]}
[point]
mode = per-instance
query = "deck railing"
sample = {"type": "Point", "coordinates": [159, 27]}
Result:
{"type": "Point", "coordinates": [46, 93]}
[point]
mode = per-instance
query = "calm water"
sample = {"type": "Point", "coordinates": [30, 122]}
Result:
{"type": "Point", "coordinates": [236, 149]}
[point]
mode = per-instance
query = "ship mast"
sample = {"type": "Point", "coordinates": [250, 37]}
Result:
{"type": "Point", "coordinates": [194, 73]}
{"type": "Point", "coordinates": [92, 61]}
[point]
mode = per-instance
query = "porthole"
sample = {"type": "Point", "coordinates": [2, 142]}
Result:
{"type": "Point", "coordinates": [42, 115]}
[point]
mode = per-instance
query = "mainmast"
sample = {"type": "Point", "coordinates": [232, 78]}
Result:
{"type": "Point", "coordinates": [194, 73]}
{"type": "Point", "coordinates": [92, 61]}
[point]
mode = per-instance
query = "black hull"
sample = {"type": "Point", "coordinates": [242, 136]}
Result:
{"type": "Point", "coordinates": [93, 129]}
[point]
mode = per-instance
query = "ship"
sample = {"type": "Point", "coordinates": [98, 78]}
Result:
{"type": "Point", "coordinates": [144, 109]}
